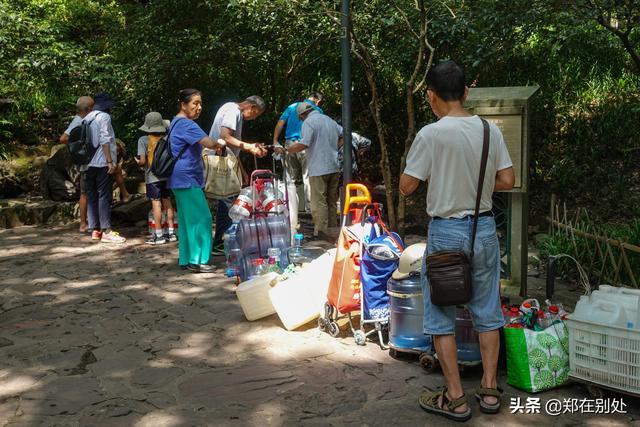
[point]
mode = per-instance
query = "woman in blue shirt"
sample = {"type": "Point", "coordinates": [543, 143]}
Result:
{"type": "Point", "coordinates": [187, 182]}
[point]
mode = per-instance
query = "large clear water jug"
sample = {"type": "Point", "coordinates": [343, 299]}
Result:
{"type": "Point", "coordinates": [406, 312]}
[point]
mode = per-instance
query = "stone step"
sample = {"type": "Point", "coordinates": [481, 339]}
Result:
{"type": "Point", "coordinates": [36, 211]}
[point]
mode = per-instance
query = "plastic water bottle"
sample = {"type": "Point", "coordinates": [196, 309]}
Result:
{"type": "Point", "coordinates": [233, 262]}
{"type": "Point", "coordinates": [242, 206]}
{"type": "Point", "coordinates": [543, 321]}
{"type": "Point", "coordinates": [296, 255]}
{"type": "Point", "coordinates": [514, 316]}
{"type": "Point", "coordinates": [274, 257]}
{"type": "Point", "coordinates": [261, 267]}
{"type": "Point", "coordinates": [229, 239]}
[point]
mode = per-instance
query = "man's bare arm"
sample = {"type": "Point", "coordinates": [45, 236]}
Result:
{"type": "Point", "coordinates": [277, 131]}
{"type": "Point", "coordinates": [505, 179]}
{"type": "Point", "coordinates": [227, 135]}
{"type": "Point", "coordinates": [296, 148]}
{"type": "Point", "coordinates": [408, 184]}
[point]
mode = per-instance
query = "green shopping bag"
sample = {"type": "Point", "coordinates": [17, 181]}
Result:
{"type": "Point", "coordinates": [537, 360]}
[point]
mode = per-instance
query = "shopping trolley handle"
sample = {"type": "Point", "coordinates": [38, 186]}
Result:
{"type": "Point", "coordinates": [364, 198]}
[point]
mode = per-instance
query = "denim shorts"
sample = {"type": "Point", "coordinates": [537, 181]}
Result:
{"type": "Point", "coordinates": [484, 307]}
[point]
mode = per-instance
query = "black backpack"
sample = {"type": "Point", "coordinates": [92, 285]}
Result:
{"type": "Point", "coordinates": [81, 144]}
{"type": "Point", "coordinates": [163, 160]}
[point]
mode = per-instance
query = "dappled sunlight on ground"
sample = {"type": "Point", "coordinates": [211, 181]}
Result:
{"type": "Point", "coordinates": [99, 335]}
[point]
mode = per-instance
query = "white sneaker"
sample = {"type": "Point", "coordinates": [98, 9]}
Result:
{"type": "Point", "coordinates": [112, 237]}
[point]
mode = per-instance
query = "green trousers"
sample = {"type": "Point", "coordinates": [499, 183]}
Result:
{"type": "Point", "coordinates": [194, 220]}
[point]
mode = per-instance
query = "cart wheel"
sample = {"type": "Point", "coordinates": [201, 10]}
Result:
{"type": "Point", "coordinates": [322, 324]}
{"type": "Point", "coordinates": [328, 311]}
{"type": "Point", "coordinates": [333, 329]}
{"type": "Point", "coordinates": [595, 392]}
{"type": "Point", "coordinates": [428, 362]}
{"type": "Point", "coordinates": [360, 337]}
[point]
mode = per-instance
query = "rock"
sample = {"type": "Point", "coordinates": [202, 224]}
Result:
{"type": "Point", "coordinates": [534, 261]}
{"type": "Point", "coordinates": [4, 342]}
{"type": "Point", "coordinates": [35, 211]}
{"type": "Point", "coordinates": [9, 182]}
{"type": "Point", "coordinates": [132, 212]}
{"type": "Point", "coordinates": [538, 238]}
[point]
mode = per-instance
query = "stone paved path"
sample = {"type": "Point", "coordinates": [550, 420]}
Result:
{"type": "Point", "coordinates": [96, 335]}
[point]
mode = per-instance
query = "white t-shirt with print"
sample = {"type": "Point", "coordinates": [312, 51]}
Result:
{"type": "Point", "coordinates": [447, 154]}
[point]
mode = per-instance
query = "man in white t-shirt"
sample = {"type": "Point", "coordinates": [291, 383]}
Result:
{"type": "Point", "coordinates": [447, 155]}
{"type": "Point", "coordinates": [84, 105]}
{"type": "Point", "coordinates": [227, 125]}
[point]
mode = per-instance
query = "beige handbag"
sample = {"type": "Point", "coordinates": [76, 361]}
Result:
{"type": "Point", "coordinates": [222, 175]}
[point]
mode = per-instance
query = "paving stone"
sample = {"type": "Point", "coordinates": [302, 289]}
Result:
{"type": "Point", "coordinates": [246, 384]}
{"type": "Point", "coordinates": [174, 349]}
{"type": "Point", "coordinates": [173, 418]}
{"type": "Point", "coordinates": [155, 377]}
{"type": "Point", "coordinates": [193, 315]}
{"type": "Point", "coordinates": [160, 400]}
{"type": "Point", "coordinates": [68, 395]}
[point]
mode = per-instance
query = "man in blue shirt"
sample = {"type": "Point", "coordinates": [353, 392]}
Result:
{"type": "Point", "coordinates": [297, 162]}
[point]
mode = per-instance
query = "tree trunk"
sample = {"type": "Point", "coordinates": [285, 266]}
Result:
{"type": "Point", "coordinates": [375, 106]}
{"type": "Point", "coordinates": [411, 89]}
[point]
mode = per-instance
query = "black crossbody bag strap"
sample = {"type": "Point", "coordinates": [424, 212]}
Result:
{"type": "Point", "coordinates": [483, 169]}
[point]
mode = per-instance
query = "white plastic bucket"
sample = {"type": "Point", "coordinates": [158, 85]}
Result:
{"type": "Point", "coordinates": [301, 298]}
{"type": "Point", "coordinates": [254, 296]}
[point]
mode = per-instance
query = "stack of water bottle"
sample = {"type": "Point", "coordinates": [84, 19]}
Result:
{"type": "Point", "coordinates": [530, 315]}
{"type": "Point", "coordinates": [247, 257]}
{"type": "Point", "coordinates": [269, 200]}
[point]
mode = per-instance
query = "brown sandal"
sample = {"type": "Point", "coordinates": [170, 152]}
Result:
{"type": "Point", "coordinates": [428, 400]}
{"type": "Point", "coordinates": [482, 392]}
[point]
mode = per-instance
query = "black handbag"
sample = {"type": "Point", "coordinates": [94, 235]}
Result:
{"type": "Point", "coordinates": [449, 272]}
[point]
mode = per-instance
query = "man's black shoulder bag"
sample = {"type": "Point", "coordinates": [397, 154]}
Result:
{"type": "Point", "coordinates": [449, 272]}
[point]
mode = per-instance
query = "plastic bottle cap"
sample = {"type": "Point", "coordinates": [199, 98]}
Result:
{"type": "Point", "coordinates": [526, 305]}
{"type": "Point", "coordinates": [553, 309]}
{"type": "Point", "coordinates": [258, 261]}
{"type": "Point", "coordinates": [514, 310]}
{"type": "Point", "coordinates": [541, 314]}
{"type": "Point", "coordinates": [299, 236]}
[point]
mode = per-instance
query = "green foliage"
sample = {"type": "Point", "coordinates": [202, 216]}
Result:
{"type": "Point", "coordinates": [586, 250]}
{"type": "Point", "coordinates": [584, 128]}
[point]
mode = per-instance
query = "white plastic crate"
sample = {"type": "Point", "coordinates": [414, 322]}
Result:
{"type": "Point", "coordinates": [605, 355]}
